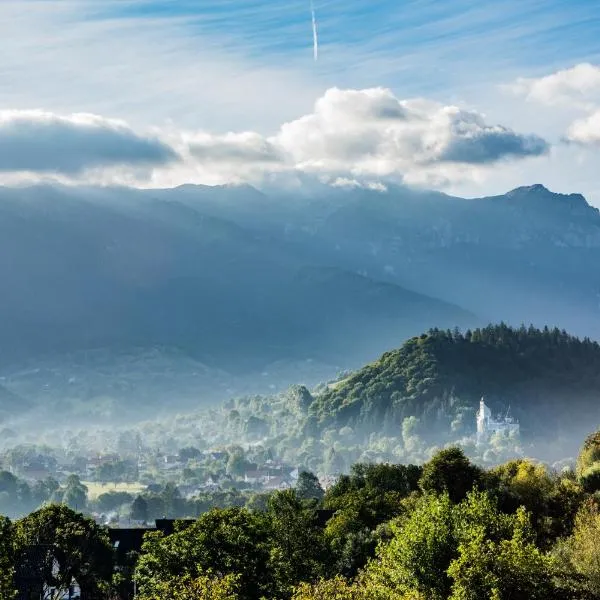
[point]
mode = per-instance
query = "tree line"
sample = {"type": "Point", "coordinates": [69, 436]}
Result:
{"type": "Point", "coordinates": [447, 530]}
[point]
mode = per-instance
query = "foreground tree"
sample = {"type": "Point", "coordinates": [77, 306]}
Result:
{"type": "Point", "coordinates": [75, 546]}
{"type": "Point", "coordinates": [221, 542]}
{"type": "Point", "coordinates": [589, 454]}
{"type": "Point", "coordinates": [339, 588]}
{"type": "Point", "coordinates": [7, 560]}
{"type": "Point", "coordinates": [422, 547]}
{"type": "Point", "coordinates": [298, 552]}
{"type": "Point", "coordinates": [468, 551]}
{"type": "Point", "coordinates": [309, 487]}
{"type": "Point", "coordinates": [579, 554]}
{"type": "Point", "coordinates": [202, 587]}
{"type": "Point", "coordinates": [509, 568]}
{"type": "Point", "coordinates": [450, 471]}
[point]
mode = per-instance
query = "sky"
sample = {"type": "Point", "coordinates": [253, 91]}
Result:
{"type": "Point", "coordinates": [472, 98]}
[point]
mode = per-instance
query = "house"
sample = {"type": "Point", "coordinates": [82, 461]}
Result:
{"type": "Point", "coordinates": [210, 484]}
{"type": "Point", "coordinates": [277, 483]}
{"type": "Point", "coordinates": [256, 476]}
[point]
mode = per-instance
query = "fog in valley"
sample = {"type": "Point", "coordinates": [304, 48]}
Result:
{"type": "Point", "coordinates": [213, 338]}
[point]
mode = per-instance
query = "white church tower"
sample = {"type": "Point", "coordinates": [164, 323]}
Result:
{"type": "Point", "coordinates": [487, 425]}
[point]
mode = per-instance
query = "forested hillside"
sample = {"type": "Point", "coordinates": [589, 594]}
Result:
{"type": "Point", "coordinates": [548, 379]}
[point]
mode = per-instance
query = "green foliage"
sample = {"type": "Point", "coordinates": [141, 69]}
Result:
{"type": "Point", "coordinates": [370, 496]}
{"type": "Point", "coordinates": [139, 509]}
{"type": "Point", "coordinates": [590, 478]}
{"type": "Point", "coordinates": [7, 559]}
{"type": "Point", "coordinates": [298, 551]}
{"type": "Point", "coordinates": [79, 547]}
{"type": "Point", "coordinates": [75, 494]}
{"type": "Point", "coordinates": [590, 453]}
{"type": "Point", "coordinates": [112, 500]}
{"type": "Point", "coordinates": [437, 376]}
{"type": "Point", "coordinates": [224, 542]}
{"type": "Point", "coordinates": [551, 500]}
{"type": "Point", "coordinates": [507, 568]}
{"type": "Point", "coordinates": [308, 487]}
{"type": "Point", "coordinates": [464, 551]}
{"type": "Point", "coordinates": [450, 471]}
{"type": "Point", "coordinates": [579, 554]}
{"type": "Point", "coordinates": [340, 588]}
{"type": "Point", "coordinates": [332, 589]}
{"type": "Point", "coordinates": [422, 546]}
{"type": "Point", "coordinates": [202, 587]}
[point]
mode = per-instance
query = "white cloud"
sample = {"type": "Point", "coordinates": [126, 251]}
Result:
{"type": "Point", "coordinates": [585, 131]}
{"type": "Point", "coordinates": [245, 148]}
{"type": "Point", "coordinates": [42, 142]}
{"type": "Point", "coordinates": [351, 135]}
{"type": "Point", "coordinates": [578, 86]}
{"type": "Point", "coordinates": [371, 132]}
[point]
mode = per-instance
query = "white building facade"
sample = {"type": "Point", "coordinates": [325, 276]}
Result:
{"type": "Point", "coordinates": [488, 426]}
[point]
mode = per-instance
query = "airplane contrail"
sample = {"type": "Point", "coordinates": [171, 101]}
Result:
{"type": "Point", "coordinates": [315, 32]}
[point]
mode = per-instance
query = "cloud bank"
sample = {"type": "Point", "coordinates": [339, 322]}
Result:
{"type": "Point", "coordinates": [349, 134]}
{"type": "Point", "coordinates": [36, 141]}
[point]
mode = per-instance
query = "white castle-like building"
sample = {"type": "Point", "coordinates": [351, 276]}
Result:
{"type": "Point", "coordinates": [488, 426]}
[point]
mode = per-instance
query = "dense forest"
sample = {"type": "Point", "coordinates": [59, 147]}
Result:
{"type": "Point", "coordinates": [548, 379]}
{"type": "Point", "coordinates": [446, 530]}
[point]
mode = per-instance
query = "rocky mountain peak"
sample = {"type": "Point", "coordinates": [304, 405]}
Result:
{"type": "Point", "coordinates": [539, 196]}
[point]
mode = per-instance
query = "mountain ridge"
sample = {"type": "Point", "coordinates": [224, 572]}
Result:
{"type": "Point", "coordinates": [240, 278]}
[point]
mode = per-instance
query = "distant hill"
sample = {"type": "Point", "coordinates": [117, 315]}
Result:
{"type": "Point", "coordinates": [237, 279]}
{"type": "Point", "coordinates": [549, 380]}
{"type": "Point", "coordinates": [122, 270]}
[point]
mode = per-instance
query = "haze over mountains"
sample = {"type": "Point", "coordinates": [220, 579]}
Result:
{"type": "Point", "coordinates": [238, 280]}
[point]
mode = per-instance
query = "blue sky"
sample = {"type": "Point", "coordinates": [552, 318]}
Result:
{"type": "Point", "coordinates": [219, 66]}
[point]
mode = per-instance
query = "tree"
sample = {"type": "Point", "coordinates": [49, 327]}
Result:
{"type": "Point", "coordinates": [589, 454]}
{"type": "Point", "coordinates": [139, 509]}
{"type": "Point", "coordinates": [298, 552]}
{"type": "Point", "coordinates": [75, 495]}
{"type": "Point", "coordinates": [450, 471]}
{"type": "Point", "coordinates": [580, 553]}
{"type": "Point", "coordinates": [43, 490]}
{"type": "Point", "coordinates": [466, 551]}
{"type": "Point", "coordinates": [223, 542]}
{"type": "Point", "coordinates": [189, 453]}
{"type": "Point", "coordinates": [79, 549]}
{"type": "Point", "coordinates": [509, 568]}
{"type": "Point", "coordinates": [202, 587]}
{"type": "Point", "coordinates": [113, 500]}
{"type": "Point", "coordinates": [236, 463]}
{"type": "Point", "coordinates": [339, 588]}
{"type": "Point", "coordinates": [422, 547]}
{"type": "Point", "coordinates": [551, 501]}
{"type": "Point", "coordinates": [590, 478]}
{"type": "Point", "coordinates": [7, 560]}
{"type": "Point", "coordinates": [309, 487]}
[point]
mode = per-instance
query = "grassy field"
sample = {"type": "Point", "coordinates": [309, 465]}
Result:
{"type": "Point", "coordinates": [95, 489]}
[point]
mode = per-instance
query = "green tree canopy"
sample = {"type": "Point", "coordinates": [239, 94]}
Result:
{"type": "Point", "coordinates": [309, 487]}
{"type": "Point", "coordinates": [450, 471]}
{"type": "Point", "coordinates": [221, 542]}
{"type": "Point", "coordinates": [79, 549]}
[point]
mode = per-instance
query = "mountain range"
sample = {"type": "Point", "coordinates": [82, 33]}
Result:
{"type": "Point", "coordinates": [238, 279]}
